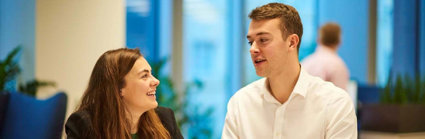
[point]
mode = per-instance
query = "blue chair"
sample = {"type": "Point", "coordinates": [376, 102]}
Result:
{"type": "Point", "coordinates": [4, 101]}
{"type": "Point", "coordinates": [366, 94]}
{"type": "Point", "coordinates": [29, 118]}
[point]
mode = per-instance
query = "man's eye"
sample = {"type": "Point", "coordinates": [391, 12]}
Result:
{"type": "Point", "coordinates": [263, 40]}
{"type": "Point", "coordinates": [250, 43]}
{"type": "Point", "coordinates": [145, 76]}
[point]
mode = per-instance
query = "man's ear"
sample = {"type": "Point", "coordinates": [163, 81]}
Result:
{"type": "Point", "coordinates": [294, 40]}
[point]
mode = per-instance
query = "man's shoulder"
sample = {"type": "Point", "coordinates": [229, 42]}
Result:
{"type": "Point", "coordinates": [253, 87]}
{"type": "Point", "coordinates": [326, 90]}
{"type": "Point", "coordinates": [309, 59]}
{"type": "Point", "coordinates": [251, 90]}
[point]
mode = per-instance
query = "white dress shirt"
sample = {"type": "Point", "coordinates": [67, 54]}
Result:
{"type": "Point", "coordinates": [315, 110]}
{"type": "Point", "coordinates": [326, 64]}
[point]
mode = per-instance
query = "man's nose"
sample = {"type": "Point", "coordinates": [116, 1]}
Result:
{"type": "Point", "coordinates": [254, 48]}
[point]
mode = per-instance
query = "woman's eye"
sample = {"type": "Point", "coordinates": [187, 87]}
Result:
{"type": "Point", "coordinates": [145, 76]}
{"type": "Point", "coordinates": [250, 43]}
{"type": "Point", "coordinates": [263, 40]}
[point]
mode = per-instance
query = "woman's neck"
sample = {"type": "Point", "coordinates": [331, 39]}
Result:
{"type": "Point", "coordinates": [134, 118]}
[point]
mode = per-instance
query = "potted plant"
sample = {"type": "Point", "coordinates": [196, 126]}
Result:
{"type": "Point", "coordinates": [401, 108]}
{"type": "Point", "coordinates": [9, 69]}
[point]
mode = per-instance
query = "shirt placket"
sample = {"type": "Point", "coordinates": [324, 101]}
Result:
{"type": "Point", "coordinates": [279, 122]}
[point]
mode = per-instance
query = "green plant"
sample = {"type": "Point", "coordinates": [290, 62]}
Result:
{"type": "Point", "coordinates": [30, 88]}
{"type": "Point", "coordinates": [9, 69]}
{"type": "Point", "coordinates": [404, 90]}
{"type": "Point", "coordinates": [191, 119]}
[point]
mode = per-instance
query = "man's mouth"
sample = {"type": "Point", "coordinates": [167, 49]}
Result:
{"type": "Point", "coordinates": [260, 60]}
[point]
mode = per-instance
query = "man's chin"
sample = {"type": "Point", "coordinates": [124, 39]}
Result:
{"type": "Point", "coordinates": [261, 74]}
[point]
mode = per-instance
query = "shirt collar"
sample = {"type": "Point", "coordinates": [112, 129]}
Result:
{"type": "Point", "coordinates": [267, 94]}
{"type": "Point", "coordinates": [302, 83]}
{"type": "Point", "coordinates": [299, 89]}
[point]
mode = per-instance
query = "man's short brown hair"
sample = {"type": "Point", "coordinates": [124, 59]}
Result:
{"type": "Point", "coordinates": [290, 21]}
{"type": "Point", "coordinates": [329, 34]}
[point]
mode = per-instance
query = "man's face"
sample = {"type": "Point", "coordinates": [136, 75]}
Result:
{"type": "Point", "coordinates": [269, 51]}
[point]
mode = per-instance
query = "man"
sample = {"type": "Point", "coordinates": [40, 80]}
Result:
{"type": "Point", "coordinates": [288, 103]}
{"type": "Point", "coordinates": [325, 62]}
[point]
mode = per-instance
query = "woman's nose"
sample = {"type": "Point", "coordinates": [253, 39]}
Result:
{"type": "Point", "coordinates": [155, 82]}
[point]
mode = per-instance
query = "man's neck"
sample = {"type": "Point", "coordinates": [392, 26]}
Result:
{"type": "Point", "coordinates": [333, 49]}
{"type": "Point", "coordinates": [282, 85]}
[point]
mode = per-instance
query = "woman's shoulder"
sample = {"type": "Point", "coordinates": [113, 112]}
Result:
{"type": "Point", "coordinates": [163, 110]}
{"type": "Point", "coordinates": [166, 115]}
{"type": "Point", "coordinates": [82, 116]}
{"type": "Point", "coordinates": [78, 124]}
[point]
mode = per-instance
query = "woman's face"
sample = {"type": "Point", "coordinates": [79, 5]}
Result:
{"type": "Point", "coordinates": [140, 86]}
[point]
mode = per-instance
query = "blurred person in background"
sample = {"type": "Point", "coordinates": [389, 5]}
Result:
{"type": "Point", "coordinates": [325, 62]}
{"type": "Point", "coordinates": [120, 101]}
{"type": "Point", "coordinates": [288, 102]}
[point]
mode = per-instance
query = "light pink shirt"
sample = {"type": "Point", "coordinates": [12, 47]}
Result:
{"type": "Point", "coordinates": [326, 64]}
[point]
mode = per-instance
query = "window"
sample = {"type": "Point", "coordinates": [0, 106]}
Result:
{"type": "Point", "coordinates": [384, 40]}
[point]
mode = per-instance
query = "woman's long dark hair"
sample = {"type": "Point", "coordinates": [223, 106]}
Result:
{"type": "Point", "coordinates": [104, 103]}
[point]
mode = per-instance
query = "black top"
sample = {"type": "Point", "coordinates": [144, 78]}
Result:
{"type": "Point", "coordinates": [79, 123]}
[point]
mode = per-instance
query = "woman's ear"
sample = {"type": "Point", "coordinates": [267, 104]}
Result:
{"type": "Point", "coordinates": [122, 93]}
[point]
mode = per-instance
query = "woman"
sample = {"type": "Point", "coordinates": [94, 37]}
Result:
{"type": "Point", "coordinates": [120, 101]}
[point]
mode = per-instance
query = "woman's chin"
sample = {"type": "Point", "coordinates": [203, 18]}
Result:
{"type": "Point", "coordinates": [154, 105]}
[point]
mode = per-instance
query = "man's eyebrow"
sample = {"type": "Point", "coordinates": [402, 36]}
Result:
{"type": "Point", "coordinates": [258, 34]}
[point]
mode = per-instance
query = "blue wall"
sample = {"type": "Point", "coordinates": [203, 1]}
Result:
{"type": "Point", "coordinates": [405, 33]}
{"type": "Point", "coordinates": [422, 37]}
{"type": "Point", "coordinates": [142, 27]}
{"type": "Point", "coordinates": [353, 18]}
{"type": "Point", "coordinates": [17, 27]}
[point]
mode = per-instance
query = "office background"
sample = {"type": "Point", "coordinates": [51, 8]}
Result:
{"type": "Point", "coordinates": [202, 40]}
